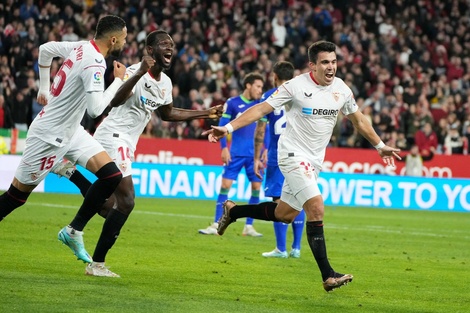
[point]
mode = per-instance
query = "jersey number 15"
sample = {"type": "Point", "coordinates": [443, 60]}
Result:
{"type": "Point", "coordinates": [60, 78]}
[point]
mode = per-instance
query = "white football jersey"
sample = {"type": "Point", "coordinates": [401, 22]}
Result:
{"type": "Point", "coordinates": [129, 120]}
{"type": "Point", "coordinates": [311, 113]}
{"type": "Point", "coordinates": [82, 72]}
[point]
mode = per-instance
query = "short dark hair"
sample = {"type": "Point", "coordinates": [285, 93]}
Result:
{"type": "Point", "coordinates": [250, 79]}
{"type": "Point", "coordinates": [284, 70]}
{"type": "Point", "coordinates": [319, 46]}
{"type": "Point", "coordinates": [152, 37]}
{"type": "Point", "coordinates": [109, 24]}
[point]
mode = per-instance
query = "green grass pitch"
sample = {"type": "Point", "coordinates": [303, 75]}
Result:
{"type": "Point", "coordinates": [402, 261]}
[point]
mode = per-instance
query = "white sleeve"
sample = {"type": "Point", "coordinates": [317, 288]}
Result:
{"type": "Point", "coordinates": [350, 105]}
{"type": "Point", "coordinates": [97, 101]}
{"type": "Point", "coordinates": [282, 96]}
{"type": "Point", "coordinates": [53, 49]}
{"type": "Point", "coordinates": [169, 97]}
{"type": "Point", "coordinates": [47, 52]}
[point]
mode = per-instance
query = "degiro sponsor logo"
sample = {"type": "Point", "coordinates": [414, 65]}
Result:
{"type": "Point", "coordinates": [148, 102]}
{"type": "Point", "coordinates": [311, 111]}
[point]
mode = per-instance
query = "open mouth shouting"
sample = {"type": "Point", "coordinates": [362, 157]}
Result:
{"type": "Point", "coordinates": [167, 57]}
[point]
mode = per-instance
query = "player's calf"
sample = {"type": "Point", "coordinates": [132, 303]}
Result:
{"type": "Point", "coordinates": [12, 199]}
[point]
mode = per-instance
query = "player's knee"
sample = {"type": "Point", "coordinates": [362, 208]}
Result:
{"type": "Point", "coordinates": [111, 174]}
{"type": "Point", "coordinates": [285, 217]}
{"type": "Point", "coordinates": [126, 203]}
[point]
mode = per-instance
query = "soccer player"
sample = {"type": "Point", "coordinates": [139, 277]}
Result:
{"type": "Point", "coordinates": [146, 88]}
{"type": "Point", "coordinates": [312, 102]}
{"type": "Point", "coordinates": [241, 153]}
{"type": "Point", "coordinates": [282, 72]}
{"type": "Point", "coordinates": [56, 131]}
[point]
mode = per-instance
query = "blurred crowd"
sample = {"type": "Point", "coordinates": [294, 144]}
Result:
{"type": "Point", "coordinates": [407, 61]}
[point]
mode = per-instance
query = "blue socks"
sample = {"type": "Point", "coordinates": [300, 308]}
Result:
{"type": "Point", "coordinates": [280, 230]}
{"type": "Point", "coordinates": [254, 199]}
{"type": "Point", "coordinates": [223, 196]}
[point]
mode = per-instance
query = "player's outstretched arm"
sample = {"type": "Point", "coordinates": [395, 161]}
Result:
{"type": "Point", "coordinates": [172, 114]}
{"type": "Point", "coordinates": [388, 154]}
{"type": "Point", "coordinates": [249, 116]}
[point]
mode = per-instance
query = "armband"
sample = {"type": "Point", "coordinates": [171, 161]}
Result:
{"type": "Point", "coordinates": [380, 145]}
{"type": "Point", "coordinates": [229, 128]}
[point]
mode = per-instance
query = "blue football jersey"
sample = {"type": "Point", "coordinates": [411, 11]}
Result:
{"type": "Point", "coordinates": [276, 125]}
{"type": "Point", "coordinates": [242, 139]}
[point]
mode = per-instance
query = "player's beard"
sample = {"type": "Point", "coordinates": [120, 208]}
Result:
{"type": "Point", "coordinates": [115, 54]}
{"type": "Point", "coordinates": [162, 63]}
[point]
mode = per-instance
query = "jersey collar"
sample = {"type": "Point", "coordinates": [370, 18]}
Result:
{"type": "Point", "coordinates": [151, 75]}
{"type": "Point", "coordinates": [313, 78]}
{"type": "Point", "coordinates": [245, 99]}
{"type": "Point", "coordinates": [93, 43]}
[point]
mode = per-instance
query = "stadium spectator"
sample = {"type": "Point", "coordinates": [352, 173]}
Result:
{"type": "Point", "coordinates": [5, 115]}
{"type": "Point", "coordinates": [69, 34]}
{"type": "Point", "coordinates": [414, 162]}
{"type": "Point", "coordinates": [454, 143]}
{"type": "Point", "coordinates": [410, 45]}
{"type": "Point", "coordinates": [426, 140]}
{"type": "Point", "coordinates": [279, 30]}
{"type": "Point", "coordinates": [22, 110]}
{"type": "Point", "coordinates": [178, 100]}
{"type": "Point", "coordinates": [441, 132]}
{"type": "Point", "coordinates": [29, 10]}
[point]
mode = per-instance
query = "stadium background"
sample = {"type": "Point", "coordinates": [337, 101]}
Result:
{"type": "Point", "coordinates": [406, 61]}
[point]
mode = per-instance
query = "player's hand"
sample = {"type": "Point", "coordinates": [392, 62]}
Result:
{"type": "Point", "coordinates": [146, 63]}
{"type": "Point", "coordinates": [216, 112]}
{"type": "Point", "coordinates": [119, 70]}
{"type": "Point", "coordinates": [259, 167]}
{"type": "Point", "coordinates": [264, 157]}
{"type": "Point", "coordinates": [226, 157]}
{"type": "Point", "coordinates": [215, 133]}
{"type": "Point", "coordinates": [389, 154]}
{"type": "Point", "coordinates": [43, 98]}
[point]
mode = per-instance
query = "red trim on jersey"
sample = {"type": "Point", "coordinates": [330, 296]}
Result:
{"type": "Point", "coordinates": [313, 78]}
{"type": "Point", "coordinates": [152, 75]}
{"type": "Point", "coordinates": [95, 46]}
{"type": "Point", "coordinates": [95, 65]}
{"type": "Point", "coordinates": [285, 89]}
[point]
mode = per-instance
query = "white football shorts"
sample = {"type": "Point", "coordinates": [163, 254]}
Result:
{"type": "Point", "coordinates": [300, 181]}
{"type": "Point", "coordinates": [39, 157]}
{"type": "Point", "coordinates": [119, 150]}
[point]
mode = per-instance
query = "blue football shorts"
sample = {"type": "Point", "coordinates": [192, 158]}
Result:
{"type": "Point", "coordinates": [274, 181]}
{"type": "Point", "coordinates": [234, 168]}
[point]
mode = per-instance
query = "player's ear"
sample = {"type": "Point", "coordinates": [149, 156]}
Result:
{"type": "Point", "coordinates": [113, 40]}
{"type": "Point", "coordinates": [312, 66]}
{"type": "Point", "coordinates": [149, 50]}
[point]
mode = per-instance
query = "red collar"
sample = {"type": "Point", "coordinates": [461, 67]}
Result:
{"type": "Point", "coordinates": [93, 43]}
{"type": "Point", "coordinates": [313, 78]}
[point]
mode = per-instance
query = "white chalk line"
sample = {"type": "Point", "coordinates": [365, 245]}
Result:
{"type": "Point", "coordinates": [372, 228]}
